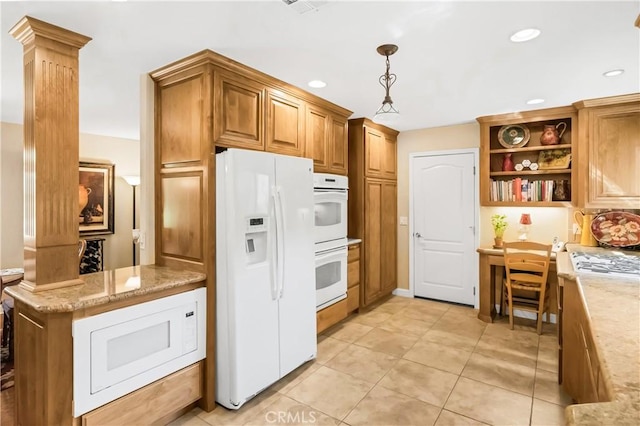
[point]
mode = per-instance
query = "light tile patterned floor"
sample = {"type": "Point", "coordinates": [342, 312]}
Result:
{"type": "Point", "coordinates": [414, 362]}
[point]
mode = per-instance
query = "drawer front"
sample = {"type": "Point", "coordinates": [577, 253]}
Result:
{"type": "Point", "coordinates": [353, 299]}
{"type": "Point", "coordinates": [161, 398]}
{"type": "Point", "coordinates": [353, 274]}
{"type": "Point", "coordinates": [354, 253]}
{"type": "Point", "coordinates": [331, 315]}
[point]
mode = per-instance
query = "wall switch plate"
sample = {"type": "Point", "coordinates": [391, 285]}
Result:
{"type": "Point", "coordinates": [404, 220]}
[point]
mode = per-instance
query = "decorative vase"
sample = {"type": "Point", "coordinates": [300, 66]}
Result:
{"type": "Point", "coordinates": [551, 135]}
{"type": "Point", "coordinates": [507, 163]}
{"type": "Point", "coordinates": [497, 242]}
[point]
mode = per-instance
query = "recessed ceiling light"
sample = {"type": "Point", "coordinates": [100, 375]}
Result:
{"type": "Point", "coordinates": [613, 73]}
{"type": "Point", "coordinates": [535, 101]}
{"type": "Point", "coordinates": [317, 84]}
{"type": "Point", "coordinates": [525, 35]}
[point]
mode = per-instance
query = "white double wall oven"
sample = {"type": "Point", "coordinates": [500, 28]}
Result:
{"type": "Point", "coordinates": [330, 210]}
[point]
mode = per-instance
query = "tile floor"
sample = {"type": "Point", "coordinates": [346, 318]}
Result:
{"type": "Point", "coordinates": [414, 362]}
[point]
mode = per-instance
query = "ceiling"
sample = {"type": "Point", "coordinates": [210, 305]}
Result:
{"type": "Point", "coordinates": [455, 61]}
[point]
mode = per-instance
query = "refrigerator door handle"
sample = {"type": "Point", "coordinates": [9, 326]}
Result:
{"type": "Point", "coordinates": [280, 237]}
{"type": "Point", "coordinates": [274, 251]}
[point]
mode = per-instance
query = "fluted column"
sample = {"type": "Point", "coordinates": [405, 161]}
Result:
{"type": "Point", "coordinates": [51, 139]}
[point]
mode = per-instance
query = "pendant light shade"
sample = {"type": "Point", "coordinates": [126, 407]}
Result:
{"type": "Point", "coordinates": [387, 113]}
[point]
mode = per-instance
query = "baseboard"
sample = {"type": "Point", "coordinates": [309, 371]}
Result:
{"type": "Point", "coordinates": [530, 315]}
{"type": "Point", "coordinates": [403, 292]}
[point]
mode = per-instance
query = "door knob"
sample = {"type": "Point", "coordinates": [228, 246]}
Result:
{"type": "Point", "coordinates": [417, 234]}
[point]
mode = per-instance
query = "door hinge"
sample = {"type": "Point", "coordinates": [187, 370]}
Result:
{"type": "Point", "coordinates": [474, 291]}
{"type": "Point", "coordinates": [474, 170]}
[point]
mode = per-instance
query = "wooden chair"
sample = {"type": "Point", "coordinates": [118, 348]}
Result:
{"type": "Point", "coordinates": [526, 286]}
{"type": "Point", "coordinates": [82, 246]}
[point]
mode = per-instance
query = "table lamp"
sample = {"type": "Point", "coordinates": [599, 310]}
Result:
{"type": "Point", "coordinates": [525, 223]}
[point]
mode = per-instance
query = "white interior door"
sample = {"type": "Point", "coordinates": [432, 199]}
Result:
{"type": "Point", "coordinates": [444, 214]}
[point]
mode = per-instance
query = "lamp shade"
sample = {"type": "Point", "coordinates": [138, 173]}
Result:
{"type": "Point", "coordinates": [525, 219]}
{"type": "Point", "coordinates": [132, 180]}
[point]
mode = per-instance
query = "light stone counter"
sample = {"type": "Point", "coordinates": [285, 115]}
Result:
{"type": "Point", "coordinates": [106, 287]}
{"type": "Point", "coordinates": [353, 241]}
{"type": "Point", "coordinates": [613, 307]}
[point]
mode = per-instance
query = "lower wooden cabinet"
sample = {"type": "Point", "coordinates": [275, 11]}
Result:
{"type": "Point", "coordinates": [582, 377]}
{"type": "Point", "coordinates": [380, 247]}
{"type": "Point", "coordinates": [353, 278]}
{"type": "Point", "coordinates": [331, 315]}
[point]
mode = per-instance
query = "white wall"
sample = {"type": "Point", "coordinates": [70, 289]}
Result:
{"type": "Point", "coordinates": [547, 221]}
{"type": "Point", "coordinates": [124, 153]}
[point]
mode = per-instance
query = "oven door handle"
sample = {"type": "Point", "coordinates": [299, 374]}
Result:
{"type": "Point", "coordinates": [337, 253]}
{"type": "Point", "coordinates": [333, 196]}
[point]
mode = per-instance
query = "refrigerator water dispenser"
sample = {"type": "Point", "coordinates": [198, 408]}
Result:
{"type": "Point", "coordinates": [256, 240]}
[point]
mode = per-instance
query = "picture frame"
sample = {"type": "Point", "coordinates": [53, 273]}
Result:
{"type": "Point", "coordinates": [96, 198]}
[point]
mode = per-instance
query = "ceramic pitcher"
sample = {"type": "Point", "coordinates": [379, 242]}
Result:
{"type": "Point", "coordinates": [83, 197]}
{"type": "Point", "coordinates": [551, 135]}
{"type": "Point", "coordinates": [584, 223]}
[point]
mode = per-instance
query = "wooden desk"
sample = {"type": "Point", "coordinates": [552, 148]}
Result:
{"type": "Point", "coordinates": [491, 273]}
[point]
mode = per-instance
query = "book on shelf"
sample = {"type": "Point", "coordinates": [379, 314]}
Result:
{"type": "Point", "coordinates": [521, 190]}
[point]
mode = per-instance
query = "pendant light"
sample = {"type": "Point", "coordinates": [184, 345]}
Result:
{"type": "Point", "coordinates": [387, 113]}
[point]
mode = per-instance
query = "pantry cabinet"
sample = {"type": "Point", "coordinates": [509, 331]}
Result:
{"type": "Point", "coordinates": [373, 206]}
{"type": "Point", "coordinates": [608, 160]}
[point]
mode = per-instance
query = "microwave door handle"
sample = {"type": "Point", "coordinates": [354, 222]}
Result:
{"type": "Point", "coordinates": [274, 250]}
{"type": "Point", "coordinates": [280, 235]}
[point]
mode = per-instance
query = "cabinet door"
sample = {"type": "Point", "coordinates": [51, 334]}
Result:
{"type": "Point", "coordinates": [338, 146]}
{"type": "Point", "coordinates": [380, 239]}
{"type": "Point", "coordinates": [238, 112]}
{"type": "Point", "coordinates": [318, 132]}
{"type": "Point", "coordinates": [389, 163]}
{"type": "Point", "coordinates": [388, 249]}
{"type": "Point", "coordinates": [285, 124]}
{"type": "Point", "coordinates": [613, 162]}
{"type": "Point", "coordinates": [374, 153]}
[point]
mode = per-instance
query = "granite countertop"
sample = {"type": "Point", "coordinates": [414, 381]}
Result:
{"type": "Point", "coordinates": [613, 307]}
{"type": "Point", "coordinates": [105, 287]}
{"type": "Point", "coordinates": [353, 241]}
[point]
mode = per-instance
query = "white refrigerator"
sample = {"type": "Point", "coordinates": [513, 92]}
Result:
{"type": "Point", "coordinates": [265, 282]}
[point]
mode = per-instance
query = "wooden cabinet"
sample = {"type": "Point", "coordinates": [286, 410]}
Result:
{"type": "Point", "coordinates": [609, 164]}
{"type": "Point", "coordinates": [353, 278]}
{"type": "Point", "coordinates": [326, 141]}
{"type": "Point", "coordinates": [580, 367]}
{"type": "Point", "coordinates": [285, 124]}
{"type": "Point", "coordinates": [380, 154]}
{"type": "Point", "coordinates": [373, 206]}
{"type": "Point", "coordinates": [239, 106]}
{"type": "Point", "coordinates": [552, 183]}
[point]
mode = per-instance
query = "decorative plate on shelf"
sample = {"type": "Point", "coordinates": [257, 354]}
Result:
{"type": "Point", "coordinates": [513, 135]}
{"type": "Point", "coordinates": [617, 229]}
{"type": "Point", "coordinates": [554, 159]}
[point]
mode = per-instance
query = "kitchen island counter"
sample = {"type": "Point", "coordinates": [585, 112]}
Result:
{"type": "Point", "coordinates": [613, 309]}
{"type": "Point", "coordinates": [101, 288]}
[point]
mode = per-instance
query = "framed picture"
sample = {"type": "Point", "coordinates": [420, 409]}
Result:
{"type": "Point", "coordinates": [96, 198]}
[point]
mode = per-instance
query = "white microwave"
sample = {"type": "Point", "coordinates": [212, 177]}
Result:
{"type": "Point", "coordinates": [123, 350]}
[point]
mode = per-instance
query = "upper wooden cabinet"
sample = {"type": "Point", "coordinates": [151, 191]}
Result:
{"type": "Point", "coordinates": [239, 110]}
{"type": "Point", "coordinates": [544, 184]}
{"type": "Point", "coordinates": [326, 141]}
{"type": "Point", "coordinates": [285, 124]}
{"type": "Point", "coordinates": [609, 163]}
{"type": "Point", "coordinates": [379, 144]}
